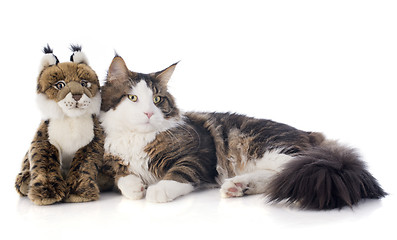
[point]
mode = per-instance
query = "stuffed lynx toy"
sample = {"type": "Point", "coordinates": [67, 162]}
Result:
{"type": "Point", "coordinates": [66, 153]}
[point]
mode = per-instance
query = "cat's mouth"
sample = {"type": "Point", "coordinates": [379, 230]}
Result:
{"type": "Point", "coordinates": [147, 126]}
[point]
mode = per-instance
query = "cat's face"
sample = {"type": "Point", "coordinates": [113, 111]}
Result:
{"type": "Point", "coordinates": [68, 89]}
{"type": "Point", "coordinates": [138, 102]}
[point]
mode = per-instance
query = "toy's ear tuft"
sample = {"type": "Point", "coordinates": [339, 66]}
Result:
{"type": "Point", "coordinates": [75, 48]}
{"type": "Point", "coordinates": [48, 59]}
{"type": "Point", "coordinates": [47, 49]}
{"type": "Point", "coordinates": [78, 56]}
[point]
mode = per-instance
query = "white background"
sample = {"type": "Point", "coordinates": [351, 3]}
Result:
{"type": "Point", "coordinates": [324, 66]}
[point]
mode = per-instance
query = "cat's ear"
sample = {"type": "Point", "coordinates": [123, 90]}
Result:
{"type": "Point", "coordinates": [118, 70]}
{"type": "Point", "coordinates": [48, 59]}
{"type": "Point", "coordinates": [78, 56]}
{"type": "Point", "coordinates": [165, 75]}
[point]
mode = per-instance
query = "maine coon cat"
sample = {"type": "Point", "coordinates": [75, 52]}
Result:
{"type": "Point", "coordinates": [158, 152]}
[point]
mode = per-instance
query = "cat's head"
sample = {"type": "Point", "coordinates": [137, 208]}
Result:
{"type": "Point", "coordinates": [68, 89]}
{"type": "Point", "coordinates": [138, 102]}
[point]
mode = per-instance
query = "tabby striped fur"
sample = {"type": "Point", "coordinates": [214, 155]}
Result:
{"type": "Point", "coordinates": [153, 147]}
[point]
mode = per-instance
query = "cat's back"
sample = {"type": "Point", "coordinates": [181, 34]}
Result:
{"type": "Point", "coordinates": [231, 130]}
{"type": "Point", "coordinates": [245, 124]}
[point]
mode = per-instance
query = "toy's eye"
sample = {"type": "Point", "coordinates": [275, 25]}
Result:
{"type": "Point", "coordinates": [133, 98]}
{"type": "Point", "coordinates": [59, 85]}
{"type": "Point", "coordinates": [157, 99]}
{"type": "Point", "coordinates": [85, 84]}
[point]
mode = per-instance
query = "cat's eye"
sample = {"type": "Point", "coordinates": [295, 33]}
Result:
{"type": "Point", "coordinates": [133, 98]}
{"type": "Point", "coordinates": [157, 99]}
{"type": "Point", "coordinates": [85, 83]}
{"type": "Point", "coordinates": [59, 85]}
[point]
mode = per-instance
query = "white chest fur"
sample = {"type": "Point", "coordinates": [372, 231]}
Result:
{"type": "Point", "coordinates": [69, 135]}
{"type": "Point", "coordinates": [130, 147]}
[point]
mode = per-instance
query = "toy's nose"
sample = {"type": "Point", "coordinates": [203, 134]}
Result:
{"type": "Point", "coordinates": [77, 96]}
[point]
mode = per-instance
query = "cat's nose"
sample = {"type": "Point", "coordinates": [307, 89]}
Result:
{"type": "Point", "coordinates": [148, 114]}
{"type": "Point", "coordinates": [77, 96]}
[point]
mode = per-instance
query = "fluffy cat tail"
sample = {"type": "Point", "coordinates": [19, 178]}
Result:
{"type": "Point", "coordinates": [327, 176]}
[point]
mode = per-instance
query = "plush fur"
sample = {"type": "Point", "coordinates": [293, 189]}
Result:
{"type": "Point", "coordinates": [67, 151]}
{"type": "Point", "coordinates": [152, 149]}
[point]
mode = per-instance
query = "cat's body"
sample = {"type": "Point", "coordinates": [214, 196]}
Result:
{"type": "Point", "coordinates": [150, 144]}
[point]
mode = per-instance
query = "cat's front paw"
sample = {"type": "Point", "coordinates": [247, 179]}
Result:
{"type": "Point", "coordinates": [231, 188]}
{"type": "Point", "coordinates": [167, 190]}
{"type": "Point", "coordinates": [131, 187]}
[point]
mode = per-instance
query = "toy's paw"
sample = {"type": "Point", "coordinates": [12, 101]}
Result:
{"type": "Point", "coordinates": [46, 191]}
{"type": "Point", "coordinates": [167, 190]}
{"type": "Point", "coordinates": [84, 191]}
{"type": "Point", "coordinates": [231, 188]}
{"type": "Point", "coordinates": [22, 183]}
{"type": "Point", "coordinates": [131, 187]}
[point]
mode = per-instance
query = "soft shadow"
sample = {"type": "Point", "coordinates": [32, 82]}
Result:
{"type": "Point", "coordinates": [294, 216]}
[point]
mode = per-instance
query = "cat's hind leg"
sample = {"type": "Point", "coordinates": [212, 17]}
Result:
{"type": "Point", "coordinates": [247, 184]}
{"type": "Point", "coordinates": [255, 175]}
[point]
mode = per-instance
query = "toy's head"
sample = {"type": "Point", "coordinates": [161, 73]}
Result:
{"type": "Point", "coordinates": [68, 89]}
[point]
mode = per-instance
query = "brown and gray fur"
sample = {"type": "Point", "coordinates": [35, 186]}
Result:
{"type": "Point", "coordinates": [42, 178]}
{"type": "Point", "coordinates": [230, 150]}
